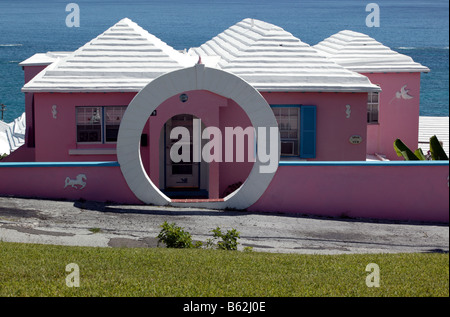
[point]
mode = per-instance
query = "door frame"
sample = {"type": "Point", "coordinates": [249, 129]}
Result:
{"type": "Point", "coordinates": [194, 189]}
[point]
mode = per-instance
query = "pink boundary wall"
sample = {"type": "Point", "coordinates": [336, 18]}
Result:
{"type": "Point", "coordinates": [405, 191]}
{"type": "Point", "coordinates": [393, 190]}
{"type": "Point", "coordinates": [47, 180]}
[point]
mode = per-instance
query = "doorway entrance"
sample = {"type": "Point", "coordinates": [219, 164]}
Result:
{"type": "Point", "coordinates": [181, 176]}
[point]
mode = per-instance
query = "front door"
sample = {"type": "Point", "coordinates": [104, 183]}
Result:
{"type": "Point", "coordinates": [182, 175]}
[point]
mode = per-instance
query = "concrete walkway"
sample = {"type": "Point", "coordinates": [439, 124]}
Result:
{"type": "Point", "coordinates": [108, 225]}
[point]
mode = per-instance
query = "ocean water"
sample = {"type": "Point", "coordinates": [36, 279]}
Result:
{"type": "Point", "coordinates": [418, 28]}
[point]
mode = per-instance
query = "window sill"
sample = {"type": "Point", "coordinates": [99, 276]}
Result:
{"type": "Point", "coordinates": [92, 152]}
{"type": "Point", "coordinates": [292, 158]}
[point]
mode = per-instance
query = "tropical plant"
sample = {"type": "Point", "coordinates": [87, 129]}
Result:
{"type": "Point", "coordinates": [436, 151]}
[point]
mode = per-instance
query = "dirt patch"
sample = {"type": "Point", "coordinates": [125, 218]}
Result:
{"type": "Point", "coordinates": [147, 242]}
{"type": "Point", "coordinates": [38, 232]}
{"type": "Point", "coordinates": [253, 245]}
{"type": "Point", "coordinates": [21, 213]}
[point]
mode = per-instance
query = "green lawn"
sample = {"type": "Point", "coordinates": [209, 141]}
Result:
{"type": "Point", "coordinates": [40, 270]}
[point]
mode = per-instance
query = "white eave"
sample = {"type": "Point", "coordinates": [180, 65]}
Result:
{"type": "Point", "coordinates": [43, 59]}
{"type": "Point", "coordinates": [361, 53]}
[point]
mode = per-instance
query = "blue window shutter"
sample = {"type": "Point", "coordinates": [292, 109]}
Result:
{"type": "Point", "coordinates": [308, 131]}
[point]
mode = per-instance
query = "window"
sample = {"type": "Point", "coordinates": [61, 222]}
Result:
{"type": "Point", "coordinates": [113, 117]}
{"type": "Point", "coordinates": [373, 102]}
{"type": "Point", "coordinates": [288, 119]}
{"type": "Point", "coordinates": [297, 126]}
{"type": "Point", "coordinates": [98, 124]}
{"type": "Point", "coordinates": [89, 124]}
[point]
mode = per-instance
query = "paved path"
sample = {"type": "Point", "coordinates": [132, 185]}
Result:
{"type": "Point", "coordinates": [78, 223]}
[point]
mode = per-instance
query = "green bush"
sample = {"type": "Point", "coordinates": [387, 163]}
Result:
{"type": "Point", "coordinates": [174, 236]}
{"type": "Point", "coordinates": [229, 239]}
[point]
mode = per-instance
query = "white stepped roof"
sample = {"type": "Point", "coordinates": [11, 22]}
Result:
{"type": "Point", "coordinates": [12, 135]}
{"type": "Point", "coordinates": [123, 58]}
{"type": "Point", "coordinates": [361, 53]}
{"type": "Point", "coordinates": [429, 126]}
{"type": "Point", "coordinates": [272, 59]}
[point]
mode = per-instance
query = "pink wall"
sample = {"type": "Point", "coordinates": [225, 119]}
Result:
{"type": "Point", "coordinates": [55, 137]}
{"type": "Point", "coordinates": [333, 127]}
{"type": "Point", "coordinates": [27, 152]}
{"type": "Point", "coordinates": [31, 71]}
{"type": "Point", "coordinates": [213, 110]}
{"type": "Point", "coordinates": [102, 184]}
{"type": "Point", "coordinates": [22, 154]}
{"type": "Point", "coordinates": [202, 104]}
{"type": "Point", "coordinates": [233, 172]}
{"type": "Point", "coordinates": [381, 191]}
{"type": "Point", "coordinates": [398, 118]}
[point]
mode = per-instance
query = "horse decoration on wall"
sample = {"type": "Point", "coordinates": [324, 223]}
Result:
{"type": "Point", "coordinates": [77, 183]}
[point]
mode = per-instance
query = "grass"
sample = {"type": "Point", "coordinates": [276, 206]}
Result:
{"type": "Point", "coordinates": [95, 230]}
{"type": "Point", "coordinates": [39, 270]}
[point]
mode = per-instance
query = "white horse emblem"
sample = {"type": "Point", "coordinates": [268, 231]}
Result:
{"type": "Point", "coordinates": [79, 181]}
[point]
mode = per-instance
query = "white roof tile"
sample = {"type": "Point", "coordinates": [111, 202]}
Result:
{"type": "Point", "coordinates": [272, 59]}
{"type": "Point", "coordinates": [126, 58]}
{"type": "Point", "coordinates": [361, 53]}
{"type": "Point", "coordinates": [12, 135]}
{"type": "Point", "coordinates": [123, 58]}
{"type": "Point", "coordinates": [429, 126]}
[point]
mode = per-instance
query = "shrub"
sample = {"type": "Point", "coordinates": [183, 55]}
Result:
{"type": "Point", "coordinates": [229, 239]}
{"type": "Point", "coordinates": [175, 237]}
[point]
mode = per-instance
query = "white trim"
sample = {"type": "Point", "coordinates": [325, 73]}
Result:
{"type": "Point", "coordinates": [156, 92]}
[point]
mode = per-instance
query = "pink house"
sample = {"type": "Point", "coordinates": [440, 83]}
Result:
{"type": "Point", "coordinates": [394, 112]}
{"type": "Point", "coordinates": [114, 115]}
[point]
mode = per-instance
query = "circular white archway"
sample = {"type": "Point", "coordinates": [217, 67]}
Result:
{"type": "Point", "coordinates": [162, 88]}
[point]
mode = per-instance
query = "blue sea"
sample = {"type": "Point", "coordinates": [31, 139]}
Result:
{"type": "Point", "coordinates": [418, 28]}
